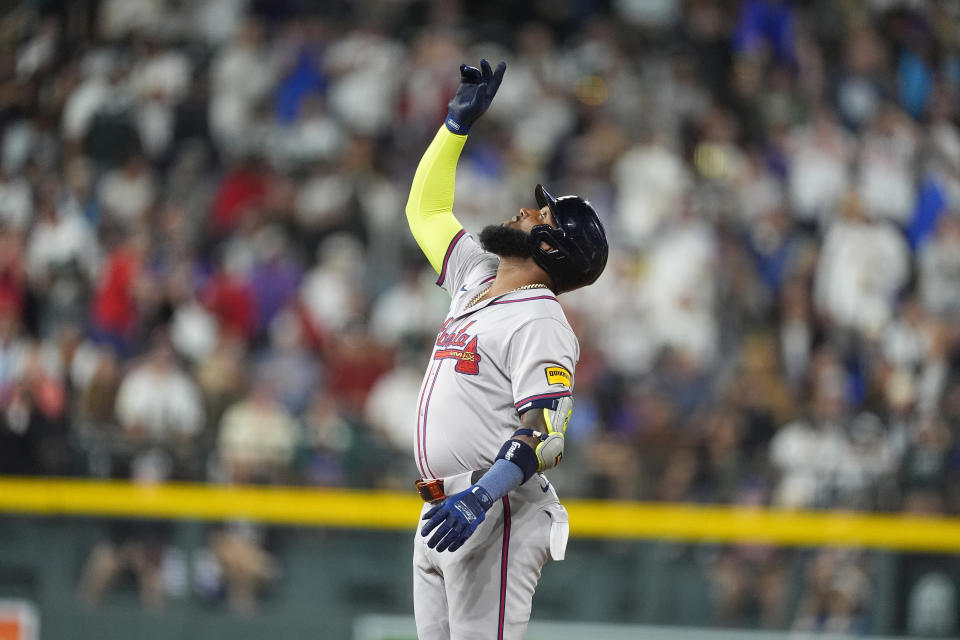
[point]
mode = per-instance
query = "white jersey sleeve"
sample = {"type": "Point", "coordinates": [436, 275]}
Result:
{"type": "Point", "coordinates": [543, 355]}
{"type": "Point", "coordinates": [464, 258]}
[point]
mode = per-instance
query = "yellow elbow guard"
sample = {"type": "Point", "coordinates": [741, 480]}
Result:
{"type": "Point", "coordinates": [550, 450]}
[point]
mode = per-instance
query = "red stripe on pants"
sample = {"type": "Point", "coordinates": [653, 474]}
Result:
{"type": "Point", "coordinates": [503, 566]}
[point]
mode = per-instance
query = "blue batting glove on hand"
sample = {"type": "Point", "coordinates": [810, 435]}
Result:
{"type": "Point", "coordinates": [473, 96]}
{"type": "Point", "coordinates": [456, 518]}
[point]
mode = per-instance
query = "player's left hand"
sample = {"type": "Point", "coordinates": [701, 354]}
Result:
{"type": "Point", "coordinates": [456, 518]}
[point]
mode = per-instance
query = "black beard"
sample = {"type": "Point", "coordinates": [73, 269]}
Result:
{"type": "Point", "coordinates": [505, 242]}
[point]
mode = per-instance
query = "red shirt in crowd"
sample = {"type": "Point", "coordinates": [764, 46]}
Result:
{"type": "Point", "coordinates": [231, 300]}
{"type": "Point", "coordinates": [241, 188]}
{"type": "Point", "coordinates": [114, 303]}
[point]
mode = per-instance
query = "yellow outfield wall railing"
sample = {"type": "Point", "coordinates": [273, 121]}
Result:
{"type": "Point", "coordinates": [400, 511]}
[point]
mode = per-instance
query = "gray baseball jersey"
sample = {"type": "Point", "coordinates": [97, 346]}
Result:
{"type": "Point", "coordinates": [490, 363]}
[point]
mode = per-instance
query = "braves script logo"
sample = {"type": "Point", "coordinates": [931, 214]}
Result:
{"type": "Point", "coordinates": [466, 355]}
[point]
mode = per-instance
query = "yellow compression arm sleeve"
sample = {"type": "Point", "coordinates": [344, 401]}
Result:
{"type": "Point", "coordinates": [430, 205]}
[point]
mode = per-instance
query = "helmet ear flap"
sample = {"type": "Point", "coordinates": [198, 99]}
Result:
{"type": "Point", "coordinates": [545, 237]}
{"type": "Point", "coordinates": [541, 235]}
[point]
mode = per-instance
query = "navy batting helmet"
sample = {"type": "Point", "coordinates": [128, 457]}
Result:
{"type": "Point", "coordinates": [579, 243]}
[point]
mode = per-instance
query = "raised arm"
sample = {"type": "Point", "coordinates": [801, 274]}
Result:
{"type": "Point", "coordinates": [430, 205]}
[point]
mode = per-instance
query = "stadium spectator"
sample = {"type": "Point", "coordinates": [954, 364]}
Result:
{"type": "Point", "coordinates": [939, 270]}
{"type": "Point", "coordinates": [62, 263]}
{"type": "Point", "coordinates": [16, 200]}
{"type": "Point", "coordinates": [255, 445]}
{"type": "Point", "coordinates": [257, 438]}
{"type": "Point", "coordinates": [863, 264]}
{"type": "Point", "coordinates": [835, 594]}
{"type": "Point", "coordinates": [158, 404]}
{"type": "Point", "coordinates": [114, 305]}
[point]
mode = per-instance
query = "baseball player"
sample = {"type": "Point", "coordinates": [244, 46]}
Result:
{"type": "Point", "coordinates": [496, 397]}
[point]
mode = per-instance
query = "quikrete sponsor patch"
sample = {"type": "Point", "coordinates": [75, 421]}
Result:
{"type": "Point", "coordinates": [558, 375]}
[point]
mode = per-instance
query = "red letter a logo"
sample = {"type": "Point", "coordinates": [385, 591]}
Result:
{"type": "Point", "coordinates": [469, 359]}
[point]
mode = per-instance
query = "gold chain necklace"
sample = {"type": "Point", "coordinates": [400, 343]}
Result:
{"type": "Point", "coordinates": [480, 295]}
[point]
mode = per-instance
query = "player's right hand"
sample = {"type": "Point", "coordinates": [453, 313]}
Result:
{"type": "Point", "coordinates": [473, 96]}
{"type": "Point", "coordinates": [456, 518]}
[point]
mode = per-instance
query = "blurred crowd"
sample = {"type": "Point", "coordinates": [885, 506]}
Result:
{"type": "Point", "coordinates": [205, 272]}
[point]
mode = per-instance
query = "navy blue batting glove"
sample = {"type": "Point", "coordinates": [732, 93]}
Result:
{"type": "Point", "coordinates": [456, 518]}
{"type": "Point", "coordinates": [473, 96]}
